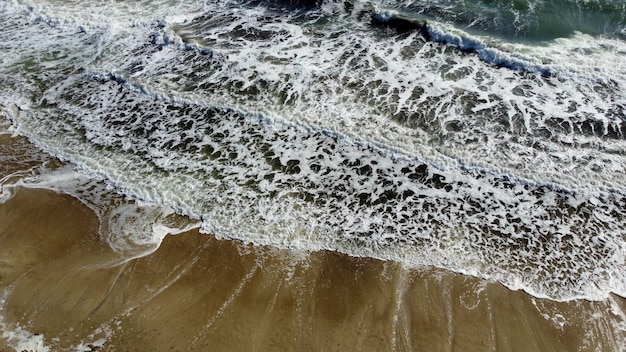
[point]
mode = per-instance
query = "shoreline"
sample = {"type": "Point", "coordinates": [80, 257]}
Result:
{"type": "Point", "coordinates": [64, 288]}
{"type": "Point", "coordinates": [196, 292]}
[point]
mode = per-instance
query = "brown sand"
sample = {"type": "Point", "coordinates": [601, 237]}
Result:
{"type": "Point", "coordinates": [199, 293]}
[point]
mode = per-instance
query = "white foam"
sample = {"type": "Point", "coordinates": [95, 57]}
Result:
{"type": "Point", "coordinates": [23, 340]}
{"type": "Point", "coordinates": [518, 107]}
{"type": "Point", "coordinates": [18, 337]}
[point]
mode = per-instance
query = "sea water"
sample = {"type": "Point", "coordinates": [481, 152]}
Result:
{"type": "Point", "coordinates": [486, 137]}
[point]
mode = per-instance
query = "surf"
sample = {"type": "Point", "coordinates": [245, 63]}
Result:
{"type": "Point", "coordinates": [351, 128]}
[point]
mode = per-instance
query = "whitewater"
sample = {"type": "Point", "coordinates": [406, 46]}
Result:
{"type": "Point", "coordinates": [473, 139]}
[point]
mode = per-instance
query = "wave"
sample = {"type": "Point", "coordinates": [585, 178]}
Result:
{"type": "Point", "coordinates": [462, 41]}
{"type": "Point", "coordinates": [524, 21]}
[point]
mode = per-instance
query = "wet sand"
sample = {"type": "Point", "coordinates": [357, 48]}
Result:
{"type": "Point", "coordinates": [199, 293]}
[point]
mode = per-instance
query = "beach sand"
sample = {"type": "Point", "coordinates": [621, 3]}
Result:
{"type": "Point", "coordinates": [69, 289]}
{"type": "Point", "coordinates": [63, 288]}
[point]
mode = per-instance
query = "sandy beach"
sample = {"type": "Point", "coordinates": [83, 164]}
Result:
{"type": "Point", "coordinates": [63, 288]}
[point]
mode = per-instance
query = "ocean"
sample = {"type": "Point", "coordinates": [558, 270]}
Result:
{"type": "Point", "coordinates": [479, 137]}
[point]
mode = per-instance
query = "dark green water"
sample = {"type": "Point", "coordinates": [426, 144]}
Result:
{"type": "Point", "coordinates": [526, 20]}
